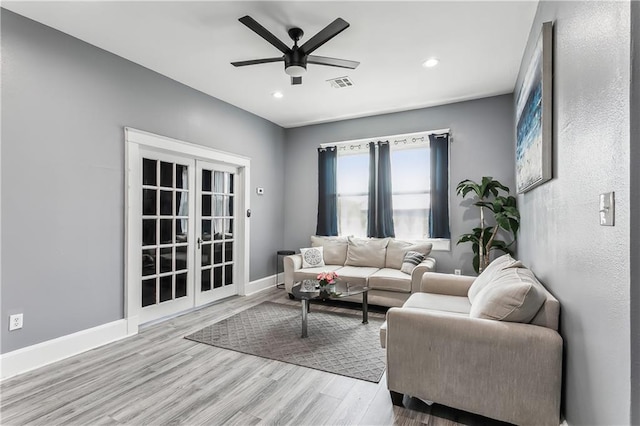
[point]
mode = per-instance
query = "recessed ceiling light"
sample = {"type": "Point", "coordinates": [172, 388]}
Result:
{"type": "Point", "coordinates": [430, 63]}
{"type": "Point", "coordinates": [277, 95]}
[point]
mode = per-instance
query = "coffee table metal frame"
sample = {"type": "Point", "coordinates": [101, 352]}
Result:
{"type": "Point", "coordinates": [343, 289]}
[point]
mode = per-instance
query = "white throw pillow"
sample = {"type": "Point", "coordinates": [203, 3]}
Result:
{"type": "Point", "coordinates": [514, 295]}
{"type": "Point", "coordinates": [312, 257]}
{"type": "Point", "coordinates": [334, 248]}
{"type": "Point", "coordinates": [397, 249]}
{"type": "Point", "coordinates": [410, 261]}
{"type": "Point", "coordinates": [500, 263]}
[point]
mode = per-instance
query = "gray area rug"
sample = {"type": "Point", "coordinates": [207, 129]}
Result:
{"type": "Point", "coordinates": [338, 342]}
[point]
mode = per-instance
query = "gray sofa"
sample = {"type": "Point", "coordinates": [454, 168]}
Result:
{"type": "Point", "coordinates": [488, 345]}
{"type": "Point", "coordinates": [372, 262]}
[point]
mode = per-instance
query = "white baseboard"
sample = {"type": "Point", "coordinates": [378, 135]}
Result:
{"type": "Point", "coordinates": [41, 354]}
{"type": "Point", "coordinates": [260, 285]}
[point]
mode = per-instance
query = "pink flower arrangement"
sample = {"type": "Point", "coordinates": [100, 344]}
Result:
{"type": "Point", "coordinates": [327, 278]}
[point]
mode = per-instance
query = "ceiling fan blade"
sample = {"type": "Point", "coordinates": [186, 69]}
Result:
{"type": "Point", "coordinates": [257, 61]}
{"type": "Point", "coordinates": [329, 32]}
{"type": "Point", "coordinates": [296, 80]}
{"type": "Point", "coordinates": [332, 62]}
{"type": "Point", "coordinates": [264, 33]}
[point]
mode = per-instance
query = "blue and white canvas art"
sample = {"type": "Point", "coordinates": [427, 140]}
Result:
{"type": "Point", "coordinates": [533, 129]}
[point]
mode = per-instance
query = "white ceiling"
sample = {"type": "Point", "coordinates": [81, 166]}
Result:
{"type": "Point", "coordinates": [479, 44]}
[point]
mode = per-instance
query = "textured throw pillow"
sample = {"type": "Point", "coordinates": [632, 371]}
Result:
{"type": "Point", "coordinates": [397, 249]}
{"type": "Point", "coordinates": [411, 260]}
{"type": "Point", "coordinates": [312, 257]}
{"type": "Point", "coordinates": [515, 295]}
{"type": "Point", "coordinates": [335, 248]}
{"type": "Point", "coordinates": [367, 252]}
{"type": "Point", "coordinates": [500, 263]}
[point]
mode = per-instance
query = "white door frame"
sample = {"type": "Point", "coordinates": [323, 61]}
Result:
{"type": "Point", "coordinates": [134, 141]}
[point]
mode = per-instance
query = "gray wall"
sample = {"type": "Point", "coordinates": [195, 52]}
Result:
{"type": "Point", "coordinates": [635, 213]}
{"type": "Point", "coordinates": [482, 146]}
{"type": "Point", "coordinates": [584, 264]}
{"type": "Point", "coordinates": [64, 106]}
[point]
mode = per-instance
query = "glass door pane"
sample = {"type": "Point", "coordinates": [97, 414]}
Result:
{"type": "Point", "coordinates": [216, 232]}
{"type": "Point", "coordinates": [165, 236]}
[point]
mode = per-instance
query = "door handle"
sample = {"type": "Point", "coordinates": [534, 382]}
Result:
{"type": "Point", "coordinates": [199, 241]}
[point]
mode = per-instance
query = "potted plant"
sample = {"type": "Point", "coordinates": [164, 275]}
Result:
{"type": "Point", "coordinates": [492, 196]}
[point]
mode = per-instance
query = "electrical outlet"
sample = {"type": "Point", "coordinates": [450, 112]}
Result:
{"type": "Point", "coordinates": [15, 322]}
{"type": "Point", "coordinates": [457, 271]}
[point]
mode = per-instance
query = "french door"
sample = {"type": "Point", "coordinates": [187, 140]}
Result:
{"type": "Point", "coordinates": [188, 233]}
{"type": "Point", "coordinates": [215, 231]}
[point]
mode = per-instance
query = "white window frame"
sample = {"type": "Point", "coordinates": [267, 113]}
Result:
{"type": "Point", "coordinates": [135, 140]}
{"type": "Point", "coordinates": [407, 139]}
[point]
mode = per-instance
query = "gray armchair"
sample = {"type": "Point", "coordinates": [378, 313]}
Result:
{"type": "Point", "coordinates": [508, 371]}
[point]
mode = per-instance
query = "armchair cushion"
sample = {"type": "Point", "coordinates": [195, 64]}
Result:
{"type": "Point", "coordinates": [439, 302]}
{"type": "Point", "coordinates": [514, 295]}
{"type": "Point", "coordinates": [502, 262]}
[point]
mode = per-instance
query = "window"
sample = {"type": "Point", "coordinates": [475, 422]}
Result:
{"type": "Point", "coordinates": [352, 176]}
{"type": "Point", "coordinates": [411, 182]}
{"type": "Point", "coordinates": [411, 190]}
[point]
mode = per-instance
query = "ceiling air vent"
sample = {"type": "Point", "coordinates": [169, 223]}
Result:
{"type": "Point", "coordinates": [340, 82]}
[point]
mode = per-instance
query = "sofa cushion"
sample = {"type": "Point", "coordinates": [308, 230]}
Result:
{"type": "Point", "coordinates": [312, 257]}
{"type": "Point", "coordinates": [514, 295]}
{"type": "Point", "coordinates": [500, 263]}
{"type": "Point", "coordinates": [396, 250]}
{"type": "Point", "coordinates": [312, 273]}
{"type": "Point", "coordinates": [411, 260]}
{"type": "Point", "coordinates": [335, 248]}
{"type": "Point", "coordinates": [390, 279]}
{"type": "Point", "coordinates": [356, 276]}
{"type": "Point", "coordinates": [367, 252]}
{"type": "Point", "coordinates": [439, 302]}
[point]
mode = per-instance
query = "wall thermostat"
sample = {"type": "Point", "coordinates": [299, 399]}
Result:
{"type": "Point", "coordinates": [260, 191]}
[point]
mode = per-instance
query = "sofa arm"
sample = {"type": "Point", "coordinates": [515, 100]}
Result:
{"type": "Point", "coordinates": [454, 285]}
{"type": "Point", "coordinates": [291, 264]}
{"type": "Point", "coordinates": [427, 265]}
{"type": "Point", "coordinates": [503, 370]}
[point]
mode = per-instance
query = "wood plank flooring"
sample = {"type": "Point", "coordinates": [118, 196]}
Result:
{"type": "Point", "coordinates": [159, 378]}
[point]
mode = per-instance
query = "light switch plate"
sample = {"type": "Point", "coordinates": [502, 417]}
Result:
{"type": "Point", "coordinates": [607, 209]}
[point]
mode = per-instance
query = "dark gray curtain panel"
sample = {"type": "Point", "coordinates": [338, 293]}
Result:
{"type": "Point", "coordinates": [384, 194]}
{"type": "Point", "coordinates": [439, 213]}
{"type": "Point", "coordinates": [371, 211]}
{"type": "Point", "coordinates": [327, 192]}
{"type": "Point", "coordinates": [380, 215]}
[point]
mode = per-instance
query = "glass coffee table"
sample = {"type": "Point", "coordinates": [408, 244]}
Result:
{"type": "Point", "coordinates": [308, 290]}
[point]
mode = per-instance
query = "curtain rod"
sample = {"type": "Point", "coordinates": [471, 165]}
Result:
{"type": "Point", "coordinates": [378, 138]}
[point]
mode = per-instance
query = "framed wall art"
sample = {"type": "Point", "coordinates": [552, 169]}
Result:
{"type": "Point", "coordinates": [534, 99]}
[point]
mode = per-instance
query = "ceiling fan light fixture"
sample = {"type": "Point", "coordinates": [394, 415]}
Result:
{"type": "Point", "coordinates": [295, 70]}
{"type": "Point", "coordinates": [430, 63]}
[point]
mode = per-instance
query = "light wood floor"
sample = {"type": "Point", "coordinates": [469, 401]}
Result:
{"type": "Point", "coordinates": [159, 378]}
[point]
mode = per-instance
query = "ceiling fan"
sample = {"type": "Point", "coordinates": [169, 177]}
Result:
{"type": "Point", "coordinates": [297, 57]}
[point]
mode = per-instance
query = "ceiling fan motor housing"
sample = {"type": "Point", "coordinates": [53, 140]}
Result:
{"type": "Point", "coordinates": [295, 62]}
